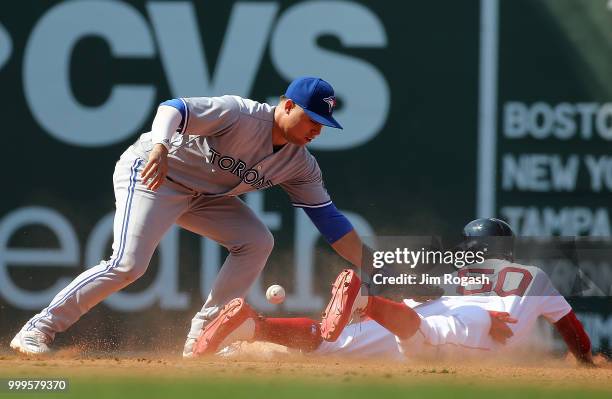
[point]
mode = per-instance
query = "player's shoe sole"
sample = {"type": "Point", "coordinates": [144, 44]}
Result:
{"type": "Point", "coordinates": [338, 312]}
{"type": "Point", "coordinates": [31, 343]}
{"type": "Point", "coordinates": [231, 317]}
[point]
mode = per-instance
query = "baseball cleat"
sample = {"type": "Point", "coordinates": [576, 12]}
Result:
{"type": "Point", "coordinates": [188, 348]}
{"type": "Point", "coordinates": [32, 343]}
{"type": "Point", "coordinates": [235, 322]}
{"type": "Point", "coordinates": [345, 300]}
{"type": "Point", "coordinates": [197, 326]}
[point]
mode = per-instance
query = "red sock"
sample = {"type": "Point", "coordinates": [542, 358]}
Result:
{"type": "Point", "coordinates": [396, 317]}
{"type": "Point", "coordinates": [297, 333]}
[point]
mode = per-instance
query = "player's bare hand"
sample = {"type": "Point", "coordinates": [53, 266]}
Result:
{"type": "Point", "coordinates": [156, 169]}
{"type": "Point", "coordinates": [500, 331]}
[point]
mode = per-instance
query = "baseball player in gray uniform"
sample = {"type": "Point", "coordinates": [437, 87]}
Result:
{"type": "Point", "coordinates": [201, 154]}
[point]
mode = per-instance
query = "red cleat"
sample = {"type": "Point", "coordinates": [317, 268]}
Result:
{"type": "Point", "coordinates": [340, 308]}
{"type": "Point", "coordinates": [233, 318]}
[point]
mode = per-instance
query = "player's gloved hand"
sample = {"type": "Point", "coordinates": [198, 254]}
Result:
{"type": "Point", "coordinates": [368, 271]}
{"type": "Point", "coordinates": [597, 360]}
{"type": "Point", "coordinates": [156, 169]}
{"type": "Point", "coordinates": [500, 331]}
{"type": "Point", "coordinates": [585, 360]}
{"type": "Point", "coordinates": [602, 360]}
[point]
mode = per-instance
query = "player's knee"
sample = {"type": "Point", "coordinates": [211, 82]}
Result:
{"type": "Point", "coordinates": [258, 243]}
{"type": "Point", "coordinates": [129, 268]}
{"type": "Point", "coordinates": [265, 242]}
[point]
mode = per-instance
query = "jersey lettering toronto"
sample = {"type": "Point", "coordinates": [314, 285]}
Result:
{"type": "Point", "coordinates": [239, 168]}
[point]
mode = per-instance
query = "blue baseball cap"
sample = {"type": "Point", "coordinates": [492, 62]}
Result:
{"type": "Point", "coordinates": [316, 97]}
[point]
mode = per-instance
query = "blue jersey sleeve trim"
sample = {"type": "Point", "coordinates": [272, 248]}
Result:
{"type": "Point", "coordinates": [332, 224]}
{"type": "Point", "coordinates": [186, 117]}
{"type": "Point", "coordinates": [179, 104]}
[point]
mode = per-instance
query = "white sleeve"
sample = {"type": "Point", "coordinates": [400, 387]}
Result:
{"type": "Point", "coordinates": [548, 302]}
{"type": "Point", "coordinates": [165, 124]}
{"type": "Point", "coordinates": [466, 326]}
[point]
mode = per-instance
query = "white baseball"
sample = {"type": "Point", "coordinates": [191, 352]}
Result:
{"type": "Point", "coordinates": [275, 294]}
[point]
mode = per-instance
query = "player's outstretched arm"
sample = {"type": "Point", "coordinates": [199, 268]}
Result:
{"type": "Point", "coordinates": [338, 232]}
{"type": "Point", "coordinates": [350, 248]}
{"type": "Point", "coordinates": [575, 337]}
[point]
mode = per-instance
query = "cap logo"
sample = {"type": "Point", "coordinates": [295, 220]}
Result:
{"type": "Point", "coordinates": [331, 101]}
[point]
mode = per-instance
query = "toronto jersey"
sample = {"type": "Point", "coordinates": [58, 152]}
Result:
{"type": "Point", "coordinates": [224, 148]}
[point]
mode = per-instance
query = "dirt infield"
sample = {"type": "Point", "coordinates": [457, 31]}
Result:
{"type": "Point", "coordinates": [265, 363]}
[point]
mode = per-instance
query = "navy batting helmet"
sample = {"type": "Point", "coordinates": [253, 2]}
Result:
{"type": "Point", "coordinates": [492, 236]}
